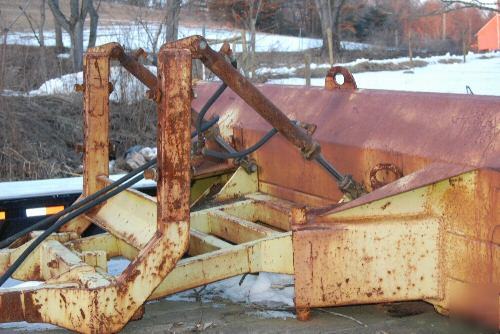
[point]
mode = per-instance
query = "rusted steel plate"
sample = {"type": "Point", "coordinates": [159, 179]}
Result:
{"type": "Point", "coordinates": [412, 239]}
{"type": "Point", "coordinates": [431, 234]}
{"type": "Point", "coordinates": [360, 129]}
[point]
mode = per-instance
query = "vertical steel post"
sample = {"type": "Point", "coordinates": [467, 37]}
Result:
{"type": "Point", "coordinates": [174, 136]}
{"type": "Point", "coordinates": [96, 119]}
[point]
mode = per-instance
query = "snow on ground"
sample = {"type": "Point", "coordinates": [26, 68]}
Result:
{"type": "Point", "coordinates": [480, 72]}
{"type": "Point", "coordinates": [265, 289]}
{"type": "Point", "coordinates": [271, 314]}
{"type": "Point", "coordinates": [134, 36]}
{"type": "Point", "coordinates": [126, 88]}
{"type": "Point", "coordinates": [432, 60]}
{"type": "Point", "coordinates": [481, 75]}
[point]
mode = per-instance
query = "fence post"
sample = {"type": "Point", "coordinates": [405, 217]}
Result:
{"type": "Point", "coordinates": [307, 68]}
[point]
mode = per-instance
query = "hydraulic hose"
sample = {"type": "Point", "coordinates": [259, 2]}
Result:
{"type": "Point", "coordinates": [241, 154]}
{"type": "Point", "coordinates": [209, 104]}
{"type": "Point", "coordinates": [63, 221]}
{"type": "Point", "coordinates": [49, 220]}
{"type": "Point", "coordinates": [205, 108]}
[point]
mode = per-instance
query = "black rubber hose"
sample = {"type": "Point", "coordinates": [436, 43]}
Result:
{"type": "Point", "coordinates": [51, 219]}
{"type": "Point", "coordinates": [205, 109]}
{"type": "Point", "coordinates": [61, 222]}
{"type": "Point", "coordinates": [209, 104]}
{"type": "Point", "coordinates": [241, 154]}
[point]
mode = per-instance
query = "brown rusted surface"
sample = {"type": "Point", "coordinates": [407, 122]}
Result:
{"type": "Point", "coordinates": [174, 112]}
{"type": "Point", "coordinates": [390, 244]}
{"type": "Point", "coordinates": [425, 236]}
{"type": "Point", "coordinates": [332, 79]}
{"type": "Point", "coordinates": [303, 314]}
{"type": "Point", "coordinates": [433, 234]}
{"type": "Point", "coordinates": [216, 62]}
{"type": "Point", "coordinates": [360, 129]}
{"type": "Point", "coordinates": [138, 70]}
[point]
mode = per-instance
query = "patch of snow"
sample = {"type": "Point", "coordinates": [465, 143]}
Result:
{"type": "Point", "coordinates": [133, 36]}
{"type": "Point", "coordinates": [64, 55]}
{"type": "Point", "coordinates": [265, 289]}
{"type": "Point", "coordinates": [16, 284]}
{"type": "Point", "coordinates": [272, 314]}
{"type": "Point", "coordinates": [126, 88]}
{"type": "Point", "coordinates": [276, 70]}
{"type": "Point", "coordinates": [8, 92]}
{"type": "Point", "coordinates": [347, 45]}
{"type": "Point", "coordinates": [480, 72]}
{"type": "Point", "coordinates": [430, 60]}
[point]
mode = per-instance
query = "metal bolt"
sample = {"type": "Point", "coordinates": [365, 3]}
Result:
{"type": "Point", "coordinates": [79, 88]}
{"type": "Point", "coordinates": [154, 95]}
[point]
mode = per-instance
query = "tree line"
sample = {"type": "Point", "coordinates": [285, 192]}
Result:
{"type": "Point", "coordinates": [434, 25]}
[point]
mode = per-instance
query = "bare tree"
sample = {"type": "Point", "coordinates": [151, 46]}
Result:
{"type": "Point", "coordinates": [74, 26]}
{"type": "Point", "coordinates": [462, 4]}
{"type": "Point", "coordinates": [41, 27]}
{"type": "Point", "coordinates": [172, 20]}
{"type": "Point", "coordinates": [247, 13]}
{"type": "Point", "coordinates": [58, 31]}
{"type": "Point", "coordinates": [329, 12]}
{"type": "Point", "coordinates": [94, 19]}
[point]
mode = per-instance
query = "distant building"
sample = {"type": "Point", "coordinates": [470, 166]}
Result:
{"type": "Point", "coordinates": [488, 37]}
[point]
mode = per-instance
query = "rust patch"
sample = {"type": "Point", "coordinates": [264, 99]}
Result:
{"type": "Point", "coordinates": [12, 307]}
{"type": "Point", "coordinates": [32, 307]}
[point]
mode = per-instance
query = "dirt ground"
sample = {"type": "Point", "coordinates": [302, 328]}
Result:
{"type": "Point", "coordinates": [185, 317]}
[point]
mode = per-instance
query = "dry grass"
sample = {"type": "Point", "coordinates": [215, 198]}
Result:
{"type": "Point", "coordinates": [451, 61]}
{"type": "Point", "coordinates": [25, 70]}
{"type": "Point", "coordinates": [42, 132]}
{"type": "Point", "coordinates": [367, 66]}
